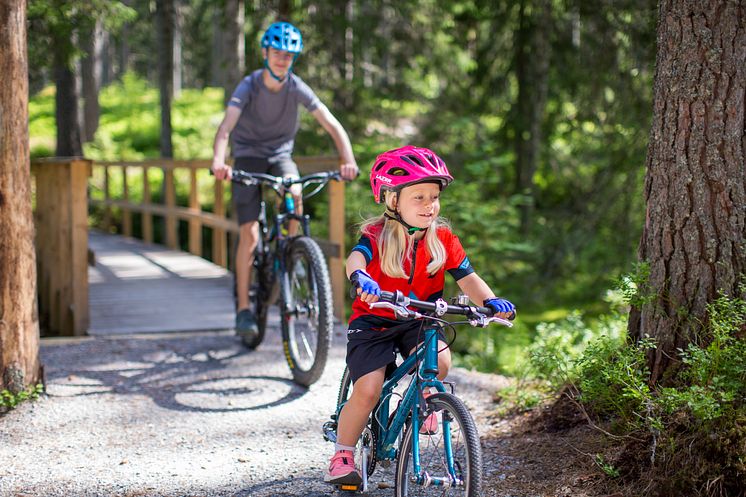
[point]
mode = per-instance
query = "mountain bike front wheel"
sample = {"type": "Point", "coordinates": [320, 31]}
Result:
{"type": "Point", "coordinates": [306, 310]}
{"type": "Point", "coordinates": [450, 459]}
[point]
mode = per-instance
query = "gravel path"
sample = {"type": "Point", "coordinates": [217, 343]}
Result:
{"type": "Point", "coordinates": [181, 415]}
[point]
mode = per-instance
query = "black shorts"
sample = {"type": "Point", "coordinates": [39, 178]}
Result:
{"type": "Point", "coordinates": [246, 198]}
{"type": "Point", "coordinates": [372, 343]}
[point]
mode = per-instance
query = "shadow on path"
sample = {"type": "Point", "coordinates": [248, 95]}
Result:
{"type": "Point", "coordinates": [189, 372]}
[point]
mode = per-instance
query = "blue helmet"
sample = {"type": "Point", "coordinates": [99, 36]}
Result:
{"type": "Point", "coordinates": [283, 36]}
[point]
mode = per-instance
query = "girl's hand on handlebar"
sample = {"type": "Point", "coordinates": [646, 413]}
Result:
{"type": "Point", "coordinates": [502, 308]}
{"type": "Point", "coordinates": [349, 170]}
{"type": "Point", "coordinates": [366, 287]}
{"type": "Point", "coordinates": [222, 170]}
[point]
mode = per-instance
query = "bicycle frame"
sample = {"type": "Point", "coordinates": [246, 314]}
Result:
{"type": "Point", "coordinates": [386, 428]}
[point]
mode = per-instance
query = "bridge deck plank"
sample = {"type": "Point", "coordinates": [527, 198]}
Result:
{"type": "Point", "coordinates": [139, 288]}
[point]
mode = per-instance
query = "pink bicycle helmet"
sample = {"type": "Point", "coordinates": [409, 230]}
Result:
{"type": "Point", "coordinates": [395, 169]}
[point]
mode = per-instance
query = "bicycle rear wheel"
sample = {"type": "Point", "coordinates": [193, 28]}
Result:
{"type": "Point", "coordinates": [457, 474]}
{"type": "Point", "coordinates": [306, 310]}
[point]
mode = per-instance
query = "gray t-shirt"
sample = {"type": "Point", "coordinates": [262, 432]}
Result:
{"type": "Point", "coordinates": [269, 120]}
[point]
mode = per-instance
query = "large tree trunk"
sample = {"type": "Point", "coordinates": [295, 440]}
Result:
{"type": "Point", "coordinates": [165, 27]}
{"type": "Point", "coordinates": [19, 325]}
{"type": "Point", "coordinates": [233, 51]}
{"type": "Point", "coordinates": [532, 72]}
{"type": "Point", "coordinates": [695, 226]}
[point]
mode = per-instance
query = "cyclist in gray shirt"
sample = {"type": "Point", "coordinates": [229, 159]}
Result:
{"type": "Point", "coordinates": [262, 120]}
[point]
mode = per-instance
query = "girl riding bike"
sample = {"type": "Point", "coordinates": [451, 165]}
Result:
{"type": "Point", "coordinates": [408, 248]}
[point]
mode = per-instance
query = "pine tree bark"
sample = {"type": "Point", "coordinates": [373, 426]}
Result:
{"type": "Point", "coordinates": [66, 98]}
{"type": "Point", "coordinates": [19, 324]}
{"type": "Point", "coordinates": [695, 226]}
{"type": "Point", "coordinates": [91, 76]}
{"type": "Point", "coordinates": [233, 52]}
{"type": "Point", "coordinates": [165, 27]}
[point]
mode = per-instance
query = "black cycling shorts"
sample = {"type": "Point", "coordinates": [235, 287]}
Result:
{"type": "Point", "coordinates": [246, 198]}
{"type": "Point", "coordinates": [372, 343]}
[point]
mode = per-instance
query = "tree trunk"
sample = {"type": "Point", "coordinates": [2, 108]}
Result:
{"type": "Point", "coordinates": [178, 20]}
{"type": "Point", "coordinates": [532, 72]}
{"type": "Point", "coordinates": [233, 52]}
{"type": "Point", "coordinates": [695, 225]}
{"type": "Point", "coordinates": [165, 27]}
{"type": "Point", "coordinates": [66, 97]}
{"type": "Point", "coordinates": [19, 324]}
{"type": "Point", "coordinates": [285, 11]}
{"type": "Point", "coordinates": [91, 69]}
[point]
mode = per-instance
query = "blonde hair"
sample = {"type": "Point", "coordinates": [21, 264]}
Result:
{"type": "Point", "coordinates": [395, 245]}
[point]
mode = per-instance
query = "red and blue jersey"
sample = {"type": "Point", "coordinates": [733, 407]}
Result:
{"type": "Point", "coordinates": [419, 284]}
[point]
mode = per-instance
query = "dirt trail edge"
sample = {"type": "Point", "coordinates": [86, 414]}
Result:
{"type": "Point", "coordinates": [198, 415]}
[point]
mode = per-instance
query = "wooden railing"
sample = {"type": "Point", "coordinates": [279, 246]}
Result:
{"type": "Point", "coordinates": [196, 218]}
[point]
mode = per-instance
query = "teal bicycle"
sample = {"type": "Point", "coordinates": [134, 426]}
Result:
{"type": "Point", "coordinates": [447, 462]}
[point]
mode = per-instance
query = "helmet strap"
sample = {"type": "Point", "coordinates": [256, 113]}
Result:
{"type": "Point", "coordinates": [395, 216]}
{"type": "Point", "coordinates": [276, 77]}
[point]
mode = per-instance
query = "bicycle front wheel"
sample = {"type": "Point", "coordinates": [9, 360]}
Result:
{"type": "Point", "coordinates": [450, 459]}
{"type": "Point", "coordinates": [306, 311]}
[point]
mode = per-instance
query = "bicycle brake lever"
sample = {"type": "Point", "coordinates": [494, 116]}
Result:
{"type": "Point", "coordinates": [399, 311]}
{"type": "Point", "coordinates": [484, 321]}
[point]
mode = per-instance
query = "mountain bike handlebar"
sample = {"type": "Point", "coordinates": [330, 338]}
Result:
{"type": "Point", "coordinates": [279, 182]}
{"type": "Point", "coordinates": [399, 303]}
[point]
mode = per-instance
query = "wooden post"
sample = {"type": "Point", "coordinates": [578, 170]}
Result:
{"type": "Point", "coordinates": [337, 236]}
{"type": "Point", "coordinates": [219, 238]}
{"type": "Point", "coordinates": [107, 197]}
{"type": "Point", "coordinates": [195, 226]}
{"type": "Point", "coordinates": [147, 217]}
{"type": "Point", "coordinates": [126, 213]}
{"type": "Point", "coordinates": [62, 244]}
{"type": "Point", "coordinates": [172, 240]}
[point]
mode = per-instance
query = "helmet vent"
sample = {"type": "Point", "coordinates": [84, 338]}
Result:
{"type": "Point", "coordinates": [380, 165]}
{"type": "Point", "coordinates": [397, 171]}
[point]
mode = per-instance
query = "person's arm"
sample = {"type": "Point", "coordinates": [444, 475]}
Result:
{"type": "Point", "coordinates": [367, 289]}
{"type": "Point", "coordinates": [479, 292]}
{"type": "Point", "coordinates": [220, 145]}
{"type": "Point", "coordinates": [348, 167]}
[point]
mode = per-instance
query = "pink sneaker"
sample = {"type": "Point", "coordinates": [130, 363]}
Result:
{"type": "Point", "coordinates": [342, 470]}
{"type": "Point", "coordinates": [430, 424]}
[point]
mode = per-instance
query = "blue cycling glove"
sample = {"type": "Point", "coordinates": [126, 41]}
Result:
{"type": "Point", "coordinates": [361, 279]}
{"type": "Point", "coordinates": [500, 305]}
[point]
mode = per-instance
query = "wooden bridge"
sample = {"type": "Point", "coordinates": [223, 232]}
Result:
{"type": "Point", "coordinates": [105, 281]}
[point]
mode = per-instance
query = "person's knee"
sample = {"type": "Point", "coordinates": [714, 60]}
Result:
{"type": "Point", "coordinates": [248, 235]}
{"type": "Point", "coordinates": [367, 394]}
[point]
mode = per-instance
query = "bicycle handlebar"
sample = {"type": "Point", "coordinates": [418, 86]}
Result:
{"type": "Point", "coordinates": [399, 303]}
{"type": "Point", "coordinates": [278, 182]}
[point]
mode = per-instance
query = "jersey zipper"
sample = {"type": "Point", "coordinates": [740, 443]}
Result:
{"type": "Point", "coordinates": [414, 260]}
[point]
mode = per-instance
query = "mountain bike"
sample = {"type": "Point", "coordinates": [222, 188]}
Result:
{"type": "Point", "coordinates": [447, 462]}
{"type": "Point", "coordinates": [293, 271]}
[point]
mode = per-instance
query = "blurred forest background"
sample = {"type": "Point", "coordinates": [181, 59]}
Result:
{"type": "Point", "coordinates": [541, 109]}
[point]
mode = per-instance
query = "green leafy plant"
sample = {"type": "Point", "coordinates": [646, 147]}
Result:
{"type": "Point", "coordinates": [10, 400]}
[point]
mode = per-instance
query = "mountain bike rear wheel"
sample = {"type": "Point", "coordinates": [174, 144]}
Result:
{"type": "Point", "coordinates": [457, 474]}
{"type": "Point", "coordinates": [306, 310]}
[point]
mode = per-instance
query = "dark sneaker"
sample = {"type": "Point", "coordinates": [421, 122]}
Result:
{"type": "Point", "coordinates": [246, 323]}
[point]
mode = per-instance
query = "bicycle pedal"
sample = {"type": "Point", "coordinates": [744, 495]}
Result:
{"type": "Point", "coordinates": [348, 488]}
